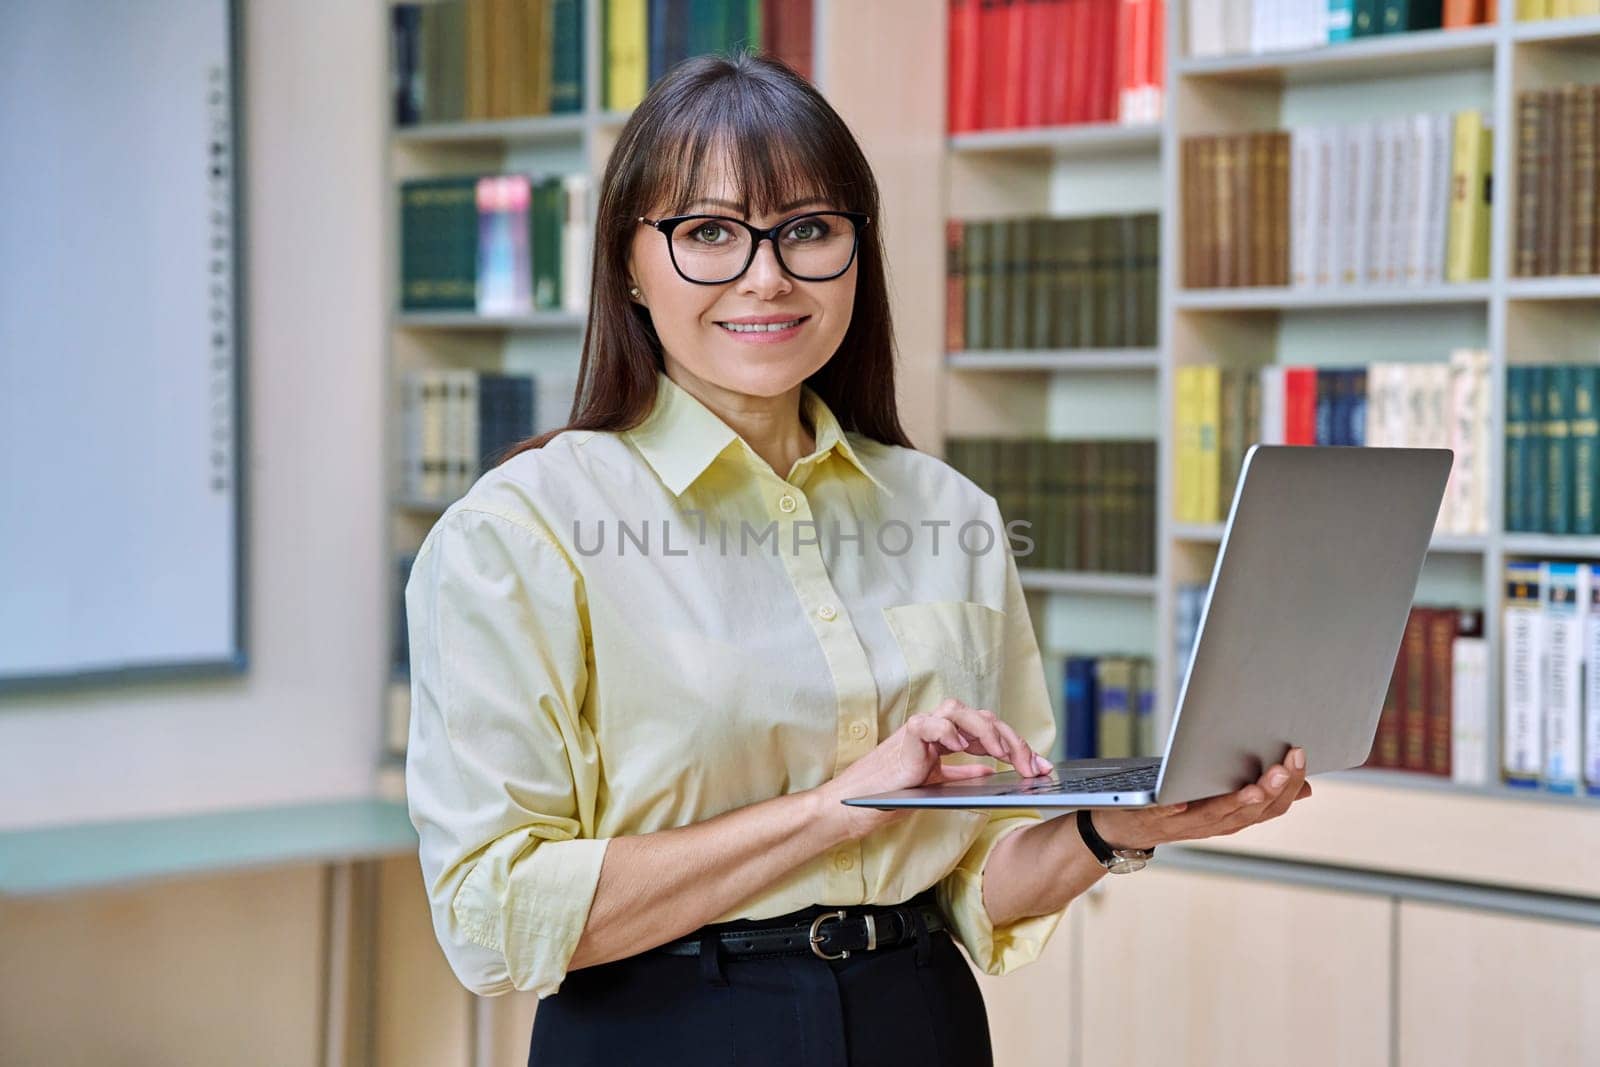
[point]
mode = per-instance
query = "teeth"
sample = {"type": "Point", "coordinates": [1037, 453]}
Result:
{"type": "Point", "coordinates": [770, 327]}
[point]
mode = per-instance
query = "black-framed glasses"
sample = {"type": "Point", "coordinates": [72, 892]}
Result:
{"type": "Point", "coordinates": [716, 249]}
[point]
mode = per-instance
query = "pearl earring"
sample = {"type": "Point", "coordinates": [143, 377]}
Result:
{"type": "Point", "coordinates": [634, 291]}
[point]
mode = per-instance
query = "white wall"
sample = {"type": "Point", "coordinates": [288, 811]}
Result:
{"type": "Point", "coordinates": [302, 723]}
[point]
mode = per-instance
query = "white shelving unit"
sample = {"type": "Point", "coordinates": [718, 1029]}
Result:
{"type": "Point", "coordinates": [1001, 173]}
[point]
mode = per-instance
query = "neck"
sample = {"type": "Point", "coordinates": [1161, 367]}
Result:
{"type": "Point", "coordinates": [772, 426]}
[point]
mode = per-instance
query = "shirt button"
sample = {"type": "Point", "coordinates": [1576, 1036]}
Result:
{"type": "Point", "coordinates": [827, 611]}
{"type": "Point", "coordinates": [858, 730]}
{"type": "Point", "coordinates": [786, 503]}
{"type": "Point", "coordinates": [843, 861]}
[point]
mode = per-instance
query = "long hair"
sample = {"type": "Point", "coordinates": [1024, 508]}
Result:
{"type": "Point", "coordinates": [782, 142]}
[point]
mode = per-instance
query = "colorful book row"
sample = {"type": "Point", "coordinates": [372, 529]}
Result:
{"type": "Point", "coordinates": [503, 244]}
{"type": "Point", "coordinates": [1391, 202]}
{"type": "Point", "coordinates": [1022, 63]}
{"type": "Point", "coordinates": [1089, 505]}
{"type": "Point", "coordinates": [1552, 677]}
{"type": "Point", "coordinates": [1107, 708]}
{"type": "Point", "coordinates": [1552, 448]}
{"type": "Point", "coordinates": [456, 60]}
{"type": "Point", "coordinates": [646, 38]}
{"type": "Point", "coordinates": [1220, 411]}
{"type": "Point", "coordinates": [1052, 283]}
{"type": "Point", "coordinates": [1244, 27]}
{"type": "Point", "coordinates": [1558, 181]}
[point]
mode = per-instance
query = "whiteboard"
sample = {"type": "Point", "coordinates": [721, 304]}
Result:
{"type": "Point", "coordinates": [121, 399]}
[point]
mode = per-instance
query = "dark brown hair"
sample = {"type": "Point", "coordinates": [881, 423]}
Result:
{"type": "Point", "coordinates": [783, 142]}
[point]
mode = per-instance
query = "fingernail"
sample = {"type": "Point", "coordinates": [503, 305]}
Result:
{"type": "Point", "coordinates": [1299, 759]}
{"type": "Point", "coordinates": [1041, 764]}
{"type": "Point", "coordinates": [1277, 778]}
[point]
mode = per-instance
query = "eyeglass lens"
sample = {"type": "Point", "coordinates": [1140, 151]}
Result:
{"type": "Point", "coordinates": [709, 249]}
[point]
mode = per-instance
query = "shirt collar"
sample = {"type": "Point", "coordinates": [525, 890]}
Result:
{"type": "Point", "coordinates": [681, 436]}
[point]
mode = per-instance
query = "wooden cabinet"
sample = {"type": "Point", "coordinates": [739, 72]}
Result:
{"type": "Point", "coordinates": [1497, 990]}
{"type": "Point", "coordinates": [1176, 968]}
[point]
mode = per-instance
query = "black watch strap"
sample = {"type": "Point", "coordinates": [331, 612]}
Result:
{"type": "Point", "coordinates": [1097, 844]}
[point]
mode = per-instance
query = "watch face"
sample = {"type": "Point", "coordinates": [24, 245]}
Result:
{"type": "Point", "coordinates": [1125, 865]}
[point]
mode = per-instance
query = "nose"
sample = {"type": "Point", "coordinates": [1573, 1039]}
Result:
{"type": "Point", "coordinates": [765, 276]}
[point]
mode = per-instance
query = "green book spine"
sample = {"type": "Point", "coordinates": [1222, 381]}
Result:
{"type": "Point", "coordinates": [439, 244]}
{"type": "Point", "coordinates": [1585, 436]}
{"type": "Point", "coordinates": [1107, 294]}
{"type": "Point", "coordinates": [1394, 16]}
{"type": "Point", "coordinates": [1425, 15]}
{"type": "Point", "coordinates": [1021, 306]}
{"type": "Point", "coordinates": [1557, 450]}
{"type": "Point", "coordinates": [1083, 285]}
{"type": "Point", "coordinates": [1072, 509]}
{"type": "Point", "coordinates": [1516, 449]}
{"type": "Point", "coordinates": [1533, 487]}
{"type": "Point", "coordinates": [566, 60]}
{"type": "Point", "coordinates": [707, 22]}
{"type": "Point", "coordinates": [1041, 268]}
{"type": "Point", "coordinates": [1366, 21]}
{"type": "Point", "coordinates": [977, 267]}
{"type": "Point", "coordinates": [755, 28]}
{"type": "Point", "coordinates": [1149, 227]}
{"type": "Point", "coordinates": [1092, 506]}
{"type": "Point", "coordinates": [999, 280]}
{"type": "Point", "coordinates": [1058, 478]}
{"type": "Point", "coordinates": [737, 34]}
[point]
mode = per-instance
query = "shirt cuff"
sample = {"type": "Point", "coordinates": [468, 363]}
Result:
{"type": "Point", "coordinates": [995, 950]}
{"type": "Point", "coordinates": [532, 910]}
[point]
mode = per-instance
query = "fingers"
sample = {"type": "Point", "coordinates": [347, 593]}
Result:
{"type": "Point", "coordinates": [1295, 762]}
{"type": "Point", "coordinates": [935, 729]}
{"type": "Point", "coordinates": [995, 736]}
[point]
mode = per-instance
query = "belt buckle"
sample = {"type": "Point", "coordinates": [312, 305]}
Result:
{"type": "Point", "coordinates": [817, 939]}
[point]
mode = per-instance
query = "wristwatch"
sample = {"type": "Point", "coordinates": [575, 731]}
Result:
{"type": "Point", "coordinates": [1115, 860]}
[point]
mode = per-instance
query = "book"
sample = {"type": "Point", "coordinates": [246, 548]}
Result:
{"type": "Point", "coordinates": [1522, 745]}
{"type": "Point", "coordinates": [1469, 725]}
{"type": "Point", "coordinates": [1564, 589]}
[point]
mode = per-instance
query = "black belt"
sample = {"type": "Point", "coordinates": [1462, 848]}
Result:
{"type": "Point", "coordinates": [828, 932]}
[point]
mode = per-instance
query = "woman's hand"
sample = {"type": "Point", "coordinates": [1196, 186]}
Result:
{"type": "Point", "coordinates": [911, 757]}
{"type": "Point", "coordinates": [1268, 797]}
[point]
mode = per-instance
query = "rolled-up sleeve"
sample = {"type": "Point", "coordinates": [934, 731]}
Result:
{"type": "Point", "coordinates": [501, 769]}
{"type": "Point", "coordinates": [1025, 705]}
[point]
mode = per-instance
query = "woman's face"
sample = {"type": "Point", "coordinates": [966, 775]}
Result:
{"type": "Point", "coordinates": [688, 316]}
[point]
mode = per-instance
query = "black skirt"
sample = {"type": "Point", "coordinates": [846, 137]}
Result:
{"type": "Point", "coordinates": [896, 1005]}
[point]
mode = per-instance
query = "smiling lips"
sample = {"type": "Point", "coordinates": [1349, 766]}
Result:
{"type": "Point", "coordinates": [764, 327]}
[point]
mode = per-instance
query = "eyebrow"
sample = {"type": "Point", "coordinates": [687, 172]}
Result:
{"type": "Point", "coordinates": [741, 207]}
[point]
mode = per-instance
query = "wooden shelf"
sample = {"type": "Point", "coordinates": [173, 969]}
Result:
{"type": "Point", "coordinates": [1106, 359]}
{"type": "Point", "coordinates": [1129, 585]}
{"type": "Point", "coordinates": [1061, 142]}
{"type": "Point", "coordinates": [1283, 299]}
{"type": "Point", "coordinates": [1389, 777]}
{"type": "Point", "coordinates": [539, 321]}
{"type": "Point", "coordinates": [1391, 55]}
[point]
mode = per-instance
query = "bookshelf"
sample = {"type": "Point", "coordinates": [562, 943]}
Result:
{"type": "Point", "coordinates": [1061, 171]}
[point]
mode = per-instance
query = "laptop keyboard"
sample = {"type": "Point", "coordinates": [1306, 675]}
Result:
{"type": "Point", "coordinates": [1137, 779]}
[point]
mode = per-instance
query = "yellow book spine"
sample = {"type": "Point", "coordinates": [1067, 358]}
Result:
{"type": "Point", "coordinates": [1533, 10]}
{"type": "Point", "coordinates": [1209, 456]}
{"type": "Point", "coordinates": [627, 54]}
{"type": "Point", "coordinates": [1183, 445]}
{"type": "Point", "coordinates": [1465, 183]}
{"type": "Point", "coordinates": [1480, 199]}
{"type": "Point", "coordinates": [1560, 9]}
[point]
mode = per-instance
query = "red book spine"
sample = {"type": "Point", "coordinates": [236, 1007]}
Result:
{"type": "Point", "coordinates": [1414, 750]}
{"type": "Point", "coordinates": [1015, 47]}
{"type": "Point", "coordinates": [1158, 53]}
{"type": "Point", "coordinates": [1102, 58]}
{"type": "Point", "coordinates": [963, 65]}
{"type": "Point", "coordinates": [1386, 743]}
{"type": "Point", "coordinates": [1077, 61]}
{"type": "Point", "coordinates": [1300, 406]}
{"type": "Point", "coordinates": [1034, 55]}
{"type": "Point", "coordinates": [1127, 65]}
{"type": "Point", "coordinates": [1057, 59]}
{"type": "Point", "coordinates": [1441, 674]}
{"type": "Point", "coordinates": [991, 40]}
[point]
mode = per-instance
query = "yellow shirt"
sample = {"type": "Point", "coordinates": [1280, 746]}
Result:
{"type": "Point", "coordinates": [734, 640]}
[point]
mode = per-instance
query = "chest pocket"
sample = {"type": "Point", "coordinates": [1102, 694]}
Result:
{"type": "Point", "coordinates": [952, 648]}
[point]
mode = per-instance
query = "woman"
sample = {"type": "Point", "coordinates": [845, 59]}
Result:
{"type": "Point", "coordinates": [652, 652]}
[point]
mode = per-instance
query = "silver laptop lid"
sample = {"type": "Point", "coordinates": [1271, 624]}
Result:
{"type": "Point", "coordinates": [1309, 596]}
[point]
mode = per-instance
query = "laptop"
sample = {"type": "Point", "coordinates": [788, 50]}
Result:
{"type": "Point", "coordinates": [1308, 601]}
